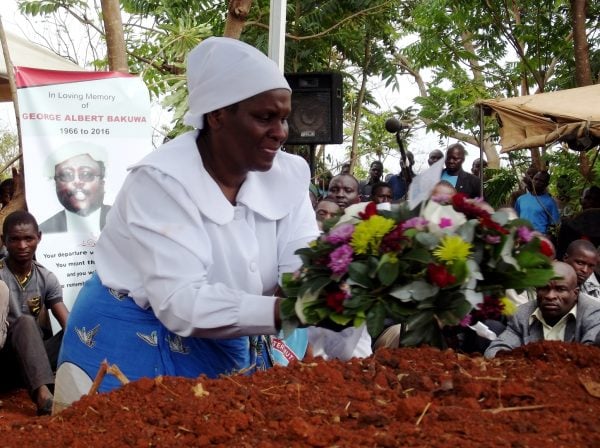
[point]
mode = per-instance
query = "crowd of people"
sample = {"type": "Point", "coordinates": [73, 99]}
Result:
{"type": "Point", "coordinates": [567, 309]}
{"type": "Point", "coordinates": [190, 256]}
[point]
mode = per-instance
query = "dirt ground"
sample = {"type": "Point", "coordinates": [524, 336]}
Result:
{"type": "Point", "coordinates": [543, 395]}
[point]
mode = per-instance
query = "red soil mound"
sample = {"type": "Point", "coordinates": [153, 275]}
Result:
{"type": "Point", "coordinates": [538, 396]}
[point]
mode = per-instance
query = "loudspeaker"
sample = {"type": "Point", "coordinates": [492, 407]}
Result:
{"type": "Point", "coordinates": [316, 116]}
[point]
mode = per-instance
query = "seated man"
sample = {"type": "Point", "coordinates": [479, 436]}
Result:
{"type": "Point", "coordinates": [3, 313]}
{"type": "Point", "coordinates": [326, 209]}
{"type": "Point", "coordinates": [558, 314]}
{"type": "Point", "coordinates": [32, 289]}
{"type": "Point", "coordinates": [583, 258]}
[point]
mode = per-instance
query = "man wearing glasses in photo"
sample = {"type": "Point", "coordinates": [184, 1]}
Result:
{"type": "Point", "coordinates": [78, 170]}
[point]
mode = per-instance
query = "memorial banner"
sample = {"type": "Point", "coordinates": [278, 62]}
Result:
{"type": "Point", "coordinates": [80, 130]}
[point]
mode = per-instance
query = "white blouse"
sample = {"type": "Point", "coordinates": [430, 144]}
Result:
{"type": "Point", "coordinates": [173, 242]}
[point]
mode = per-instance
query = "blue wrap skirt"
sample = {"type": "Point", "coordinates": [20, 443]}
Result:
{"type": "Point", "coordinates": [106, 325]}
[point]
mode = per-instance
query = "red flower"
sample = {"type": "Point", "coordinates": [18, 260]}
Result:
{"type": "Point", "coordinates": [470, 209]}
{"type": "Point", "coordinates": [546, 248]}
{"type": "Point", "coordinates": [488, 222]}
{"type": "Point", "coordinates": [490, 308]}
{"type": "Point", "coordinates": [439, 275]}
{"type": "Point", "coordinates": [335, 300]}
{"type": "Point", "coordinates": [393, 240]}
{"type": "Point", "coordinates": [370, 210]}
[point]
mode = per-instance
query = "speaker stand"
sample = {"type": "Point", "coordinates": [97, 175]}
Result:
{"type": "Point", "coordinates": [311, 159]}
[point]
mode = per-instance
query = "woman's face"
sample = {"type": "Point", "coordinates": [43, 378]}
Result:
{"type": "Point", "coordinates": [251, 133]}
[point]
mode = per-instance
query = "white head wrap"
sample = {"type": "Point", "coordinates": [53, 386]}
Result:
{"type": "Point", "coordinates": [222, 71]}
{"type": "Point", "coordinates": [72, 149]}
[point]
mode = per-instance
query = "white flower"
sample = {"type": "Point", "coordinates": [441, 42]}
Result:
{"type": "Point", "coordinates": [434, 213]}
{"type": "Point", "coordinates": [302, 302]}
{"type": "Point", "coordinates": [386, 206]}
{"type": "Point", "coordinates": [351, 213]}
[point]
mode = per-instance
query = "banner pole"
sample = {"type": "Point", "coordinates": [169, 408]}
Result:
{"type": "Point", "coordinates": [10, 73]}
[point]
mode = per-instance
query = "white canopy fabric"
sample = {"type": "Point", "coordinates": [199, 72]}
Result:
{"type": "Point", "coordinates": [24, 53]}
{"type": "Point", "coordinates": [570, 115]}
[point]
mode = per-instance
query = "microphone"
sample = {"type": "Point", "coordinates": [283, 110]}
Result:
{"type": "Point", "coordinates": [393, 125]}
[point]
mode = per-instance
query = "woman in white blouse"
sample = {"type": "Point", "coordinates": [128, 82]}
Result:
{"type": "Point", "coordinates": [189, 260]}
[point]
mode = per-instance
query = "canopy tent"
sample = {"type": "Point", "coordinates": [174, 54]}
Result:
{"type": "Point", "coordinates": [27, 54]}
{"type": "Point", "coordinates": [571, 116]}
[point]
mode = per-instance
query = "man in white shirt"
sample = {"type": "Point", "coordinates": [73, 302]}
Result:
{"type": "Point", "coordinates": [78, 169]}
{"type": "Point", "coordinates": [583, 258]}
{"type": "Point", "coordinates": [558, 314]}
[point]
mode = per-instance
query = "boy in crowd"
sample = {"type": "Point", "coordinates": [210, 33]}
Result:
{"type": "Point", "coordinates": [30, 352]}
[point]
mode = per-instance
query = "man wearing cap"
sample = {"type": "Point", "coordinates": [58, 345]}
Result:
{"type": "Point", "coordinates": [78, 169]}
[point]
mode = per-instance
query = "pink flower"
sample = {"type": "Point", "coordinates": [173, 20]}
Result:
{"type": "Point", "coordinates": [340, 234]}
{"type": "Point", "coordinates": [492, 239]}
{"type": "Point", "coordinates": [417, 222]}
{"type": "Point", "coordinates": [445, 222]}
{"type": "Point", "coordinates": [525, 234]}
{"type": "Point", "coordinates": [340, 259]}
{"type": "Point", "coordinates": [466, 321]}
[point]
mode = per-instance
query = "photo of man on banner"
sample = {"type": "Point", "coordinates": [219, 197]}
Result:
{"type": "Point", "coordinates": [78, 170]}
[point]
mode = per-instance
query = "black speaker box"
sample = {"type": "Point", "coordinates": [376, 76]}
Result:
{"type": "Point", "coordinates": [316, 116]}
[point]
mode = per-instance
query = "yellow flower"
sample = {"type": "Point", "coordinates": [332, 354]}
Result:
{"type": "Point", "coordinates": [453, 248]}
{"type": "Point", "coordinates": [367, 236]}
{"type": "Point", "coordinates": [508, 306]}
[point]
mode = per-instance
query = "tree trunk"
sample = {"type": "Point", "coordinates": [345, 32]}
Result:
{"type": "Point", "coordinates": [583, 71]}
{"type": "Point", "coordinates": [115, 37]}
{"type": "Point", "coordinates": [237, 13]}
{"type": "Point", "coordinates": [359, 102]}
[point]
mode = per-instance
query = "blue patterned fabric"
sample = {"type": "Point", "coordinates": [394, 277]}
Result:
{"type": "Point", "coordinates": [106, 325]}
{"type": "Point", "coordinates": [293, 347]}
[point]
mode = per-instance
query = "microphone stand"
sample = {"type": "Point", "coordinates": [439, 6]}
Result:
{"type": "Point", "coordinates": [404, 168]}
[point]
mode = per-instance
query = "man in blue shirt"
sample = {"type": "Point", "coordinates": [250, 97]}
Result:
{"type": "Point", "coordinates": [462, 181]}
{"type": "Point", "coordinates": [398, 182]}
{"type": "Point", "coordinates": [537, 206]}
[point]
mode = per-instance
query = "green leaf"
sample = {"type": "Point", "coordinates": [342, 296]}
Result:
{"type": "Point", "coordinates": [359, 274]}
{"type": "Point", "coordinates": [375, 319]}
{"type": "Point", "coordinates": [532, 260]}
{"type": "Point", "coordinates": [287, 308]}
{"type": "Point", "coordinates": [340, 319]}
{"type": "Point", "coordinates": [313, 286]}
{"type": "Point", "coordinates": [455, 314]}
{"type": "Point", "coordinates": [419, 321]}
{"type": "Point", "coordinates": [358, 301]}
{"type": "Point", "coordinates": [387, 271]}
{"type": "Point", "coordinates": [429, 333]}
{"type": "Point", "coordinates": [428, 240]}
{"type": "Point", "coordinates": [467, 230]}
{"type": "Point", "coordinates": [416, 291]}
{"type": "Point", "coordinates": [459, 270]}
{"type": "Point", "coordinates": [419, 255]}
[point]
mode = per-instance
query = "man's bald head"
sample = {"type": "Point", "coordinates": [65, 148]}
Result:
{"type": "Point", "coordinates": [566, 272]}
